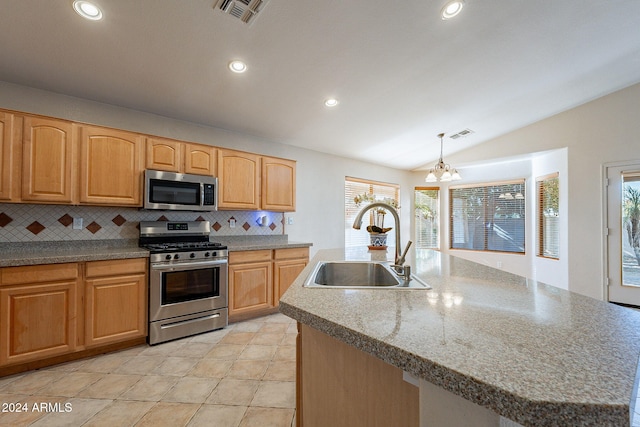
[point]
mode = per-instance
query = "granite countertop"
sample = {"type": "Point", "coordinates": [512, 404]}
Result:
{"type": "Point", "coordinates": [533, 353]}
{"type": "Point", "coordinates": [17, 254]}
{"type": "Point", "coordinates": [253, 243]}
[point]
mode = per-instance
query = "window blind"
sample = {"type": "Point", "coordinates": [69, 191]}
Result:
{"type": "Point", "coordinates": [427, 214]}
{"type": "Point", "coordinates": [488, 217]}
{"type": "Point", "coordinates": [547, 188]}
{"type": "Point", "coordinates": [379, 191]}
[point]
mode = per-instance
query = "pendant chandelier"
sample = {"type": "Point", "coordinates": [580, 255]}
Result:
{"type": "Point", "coordinates": [442, 171]}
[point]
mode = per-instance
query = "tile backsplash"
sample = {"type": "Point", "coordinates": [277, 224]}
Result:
{"type": "Point", "coordinates": [40, 223]}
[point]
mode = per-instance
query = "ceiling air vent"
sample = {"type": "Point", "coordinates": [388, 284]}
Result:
{"type": "Point", "coordinates": [244, 10]}
{"type": "Point", "coordinates": [461, 134]}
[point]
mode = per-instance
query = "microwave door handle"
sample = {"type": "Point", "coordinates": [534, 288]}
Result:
{"type": "Point", "coordinates": [201, 194]}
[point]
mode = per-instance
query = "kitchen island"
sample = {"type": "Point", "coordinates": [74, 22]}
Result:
{"type": "Point", "coordinates": [509, 346]}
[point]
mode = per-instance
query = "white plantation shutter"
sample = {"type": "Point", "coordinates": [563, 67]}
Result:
{"type": "Point", "coordinates": [356, 187]}
{"type": "Point", "coordinates": [548, 216]}
{"type": "Point", "coordinates": [427, 217]}
{"type": "Point", "coordinates": [488, 217]}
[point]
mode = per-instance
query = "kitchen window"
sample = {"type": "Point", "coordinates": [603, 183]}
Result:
{"type": "Point", "coordinates": [427, 203]}
{"type": "Point", "coordinates": [488, 217]}
{"type": "Point", "coordinates": [379, 191]}
{"type": "Point", "coordinates": [548, 216]}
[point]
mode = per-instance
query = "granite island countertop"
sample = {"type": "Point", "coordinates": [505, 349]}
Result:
{"type": "Point", "coordinates": [533, 353]}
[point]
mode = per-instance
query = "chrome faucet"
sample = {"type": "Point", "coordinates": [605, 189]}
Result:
{"type": "Point", "coordinates": [399, 259]}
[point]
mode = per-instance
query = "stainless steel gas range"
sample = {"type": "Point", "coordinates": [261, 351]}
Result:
{"type": "Point", "coordinates": [188, 279]}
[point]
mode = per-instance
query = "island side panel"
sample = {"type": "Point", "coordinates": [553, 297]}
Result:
{"type": "Point", "coordinates": [342, 386]}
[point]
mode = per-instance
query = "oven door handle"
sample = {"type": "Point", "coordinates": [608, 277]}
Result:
{"type": "Point", "coordinates": [188, 265]}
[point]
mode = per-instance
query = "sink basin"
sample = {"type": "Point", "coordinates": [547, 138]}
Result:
{"type": "Point", "coordinates": [359, 275]}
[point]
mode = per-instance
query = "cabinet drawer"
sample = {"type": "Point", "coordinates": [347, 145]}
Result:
{"type": "Point", "coordinates": [249, 256]}
{"type": "Point", "coordinates": [38, 273]}
{"type": "Point", "coordinates": [291, 253]}
{"type": "Point", "coordinates": [116, 267]}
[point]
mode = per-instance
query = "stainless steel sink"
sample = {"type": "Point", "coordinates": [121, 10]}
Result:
{"type": "Point", "coordinates": [359, 275]}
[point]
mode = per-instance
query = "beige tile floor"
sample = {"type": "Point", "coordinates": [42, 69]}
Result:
{"type": "Point", "coordinates": [243, 375]}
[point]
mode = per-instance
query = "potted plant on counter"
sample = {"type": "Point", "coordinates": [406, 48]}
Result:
{"type": "Point", "coordinates": [377, 230]}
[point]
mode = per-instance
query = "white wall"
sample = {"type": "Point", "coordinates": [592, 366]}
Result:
{"type": "Point", "coordinates": [601, 131]}
{"type": "Point", "coordinates": [319, 217]}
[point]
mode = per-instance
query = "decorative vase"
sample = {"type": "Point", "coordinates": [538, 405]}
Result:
{"type": "Point", "coordinates": [378, 240]}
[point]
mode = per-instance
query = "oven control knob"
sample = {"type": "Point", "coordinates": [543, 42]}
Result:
{"type": "Point", "coordinates": [176, 256]}
{"type": "Point", "coordinates": [168, 257]}
{"type": "Point", "coordinates": [192, 255]}
{"type": "Point", "coordinates": [207, 254]}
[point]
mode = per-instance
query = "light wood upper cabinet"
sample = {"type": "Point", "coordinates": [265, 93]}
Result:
{"type": "Point", "coordinates": [164, 154]}
{"type": "Point", "coordinates": [116, 300]}
{"type": "Point", "coordinates": [111, 165]}
{"type": "Point", "coordinates": [200, 159]}
{"type": "Point", "coordinates": [10, 148]}
{"type": "Point", "coordinates": [49, 161]}
{"type": "Point", "coordinates": [238, 179]}
{"type": "Point", "coordinates": [38, 306]}
{"type": "Point", "coordinates": [278, 184]}
{"type": "Point", "coordinates": [181, 157]}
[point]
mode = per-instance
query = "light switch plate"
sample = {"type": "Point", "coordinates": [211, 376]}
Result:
{"type": "Point", "coordinates": [77, 223]}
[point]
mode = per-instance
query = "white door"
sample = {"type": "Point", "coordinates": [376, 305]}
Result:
{"type": "Point", "coordinates": [623, 238]}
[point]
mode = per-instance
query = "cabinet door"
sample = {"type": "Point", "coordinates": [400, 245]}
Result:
{"type": "Point", "coordinates": [278, 184]}
{"type": "Point", "coordinates": [284, 273]}
{"type": "Point", "coordinates": [164, 154]}
{"type": "Point", "coordinates": [116, 301]}
{"type": "Point", "coordinates": [10, 146]}
{"type": "Point", "coordinates": [287, 266]}
{"type": "Point", "coordinates": [49, 160]}
{"type": "Point", "coordinates": [250, 288]}
{"type": "Point", "coordinates": [38, 307]}
{"type": "Point", "coordinates": [111, 167]}
{"type": "Point", "coordinates": [200, 159]}
{"type": "Point", "coordinates": [238, 178]}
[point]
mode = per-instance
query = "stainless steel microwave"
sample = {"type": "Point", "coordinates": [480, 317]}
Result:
{"type": "Point", "coordinates": [180, 191]}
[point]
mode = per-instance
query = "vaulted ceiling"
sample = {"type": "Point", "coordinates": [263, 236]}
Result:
{"type": "Point", "coordinates": [401, 74]}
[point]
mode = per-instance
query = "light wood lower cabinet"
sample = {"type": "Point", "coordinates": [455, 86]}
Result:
{"type": "Point", "coordinates": [339, 385]}
{"type": "Point", "coordinates": [38, 306]}
{"type": "Point", "coordinates": [257, 279]}
{"type": "Point", "coordinates": [54, 310]}
{"type": "Point", "coordinates": [287, 266]}
{"type": "Point", "coordinates": [115, 301]}
{"type": "Point", "coordinates": [250, 283]}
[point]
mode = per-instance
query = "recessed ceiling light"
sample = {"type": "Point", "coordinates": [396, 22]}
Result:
{"type": "Point", "coordinates": [331, 102]}
{"type": "Point", "coordinates": [237, 66]}
{"type": "Point", "coordinates": [452, 9]}
{"type": "Point", "coordinates": [87, 10]}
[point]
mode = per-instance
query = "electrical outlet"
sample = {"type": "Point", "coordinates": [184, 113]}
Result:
{"type": "Point", "coordinates": [289, 220]}
{"type": "Point", "coordinates": [77, 223]}
{"type": "Point", "coordinates": [232, 223]}
{"type": "Point", "coordinates": [499, 264]}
